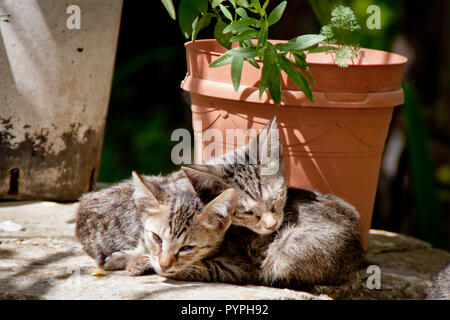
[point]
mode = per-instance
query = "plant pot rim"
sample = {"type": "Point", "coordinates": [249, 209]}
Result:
{"type": "Point", "coordinates": [311, 58]}
{"type": "Point", "coordinates": [359, 86]}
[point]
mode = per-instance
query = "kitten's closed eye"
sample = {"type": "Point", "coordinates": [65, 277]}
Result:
{"type": "Point", "coordinates": [250, 213]}
{"type": "Point", "coordinates": [157, 239]}
{"type": "Point", "coordinates": [186, 249]}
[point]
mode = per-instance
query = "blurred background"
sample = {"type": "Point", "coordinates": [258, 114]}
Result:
{"type": "Point", "coordinates": [413, 195]}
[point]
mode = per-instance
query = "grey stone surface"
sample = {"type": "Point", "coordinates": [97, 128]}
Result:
{"type": "Point", "coordinates": [45, 261]}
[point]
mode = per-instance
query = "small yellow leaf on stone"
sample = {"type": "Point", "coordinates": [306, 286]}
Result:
{"type": "Point", "coordinates": [99, 273]}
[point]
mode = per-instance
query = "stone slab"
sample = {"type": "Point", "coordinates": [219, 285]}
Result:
{"type": "Point", "coordinates": [45, 261]}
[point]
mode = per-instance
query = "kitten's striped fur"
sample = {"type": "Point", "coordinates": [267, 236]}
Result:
{"type": "Point", "coordinates": [109, 221]}
{"type": "Point", "coordinates": [139, 226]}
{"type": "Point", "coordinates": [317, 243]}
{"type": "Point", "coordinates": [261, 196]}
{"type": "Point", "coordinates": [440, 288]}
{"type": "Point", "coordinates": [317, 238]}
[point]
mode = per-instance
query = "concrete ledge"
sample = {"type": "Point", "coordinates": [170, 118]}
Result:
{"type": "Point", "coordinates": [44, 261]}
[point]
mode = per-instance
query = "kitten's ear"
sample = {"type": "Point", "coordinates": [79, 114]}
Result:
{"type": "Point", "coordinates": [267, 139]}
{"type": "Point", "coordinates": [218, 213]}
{"type": "Point", "coordinates": [145, 194]}
{"type": "Point", "coordinates": [206, 177]}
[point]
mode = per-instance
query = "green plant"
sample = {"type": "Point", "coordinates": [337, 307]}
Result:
{"type": "Point", "coordinates": [342, 20]}
{"type": "Point", "coordinates": [248, 22]}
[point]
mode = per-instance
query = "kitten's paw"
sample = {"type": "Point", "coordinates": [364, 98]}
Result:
{"type": "Point", "coordinates": [116, 261]}
{"type": "Point", "coordinates": [138, 265]}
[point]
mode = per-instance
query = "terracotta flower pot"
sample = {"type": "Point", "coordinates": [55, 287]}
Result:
{"type": "Point", "coordinates": [333, 144]}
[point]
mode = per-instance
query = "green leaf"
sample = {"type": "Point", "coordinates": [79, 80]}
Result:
{"type": "Point", "coordinates": [263, 36]}
{"type": "Point", "coordinates": [201, 24]}
{"type": "Point", "coordinates": [242, 3]}
{"type": "Point", "coordinates": [265, 5]}
{"type": "Point", "coordinates": [215, 3]}
{"type": "Point", "coordinates": [296, 76]}
{"type": "Point", "coordinates": [226, 12]}
{"type": "Point", "coordinates": [243, 52]}
{"type": "Point", "coordinates": [168, 4]}
{"type": "Point", "coordinates": [187, 16]}
{"type": "Point", "coordinates": [321, 49]}
{"type": "Point", "coordinates": [220, 36]}
{"type": "Point", "coordinates": [253, 62]}
{"type": "Point", "coordinates": [194, 24]}
{"type": "Point", "coordinates": [274, 85]}
{"type": "Point", "coordinates": [300, 61]}
{"type": "Point", "coordinates": [273, 76]}
{"type": "Point", "coordinates": [247, 43]}
{"type": "Point", "coordinates": [242, 13]}
{"type": "Point", "coordinates": [245, 35]}
{"type": "Point", "coordinates": [310, 75]}
{"type": "Point", "coordinates": [236, 71]}
{"type": "Point", "coordinates": [201, 5]}
{"type": "Point", "coordinates": [263, 81]}
{"type": "Point", "coordinates": [301, 43]}
{"type": "Point", "coordinates": [255, 7]}
{"type": "Point", "coordinates": [277, 13]}
{"type": "Point", "coordinates": [223, 60]}
{"type": "Point", "coordinates": [234, 3]}
{"type": "Point", "coordinates": [227, 57]}
{"type": "Point", "coordinates": [240, 25]}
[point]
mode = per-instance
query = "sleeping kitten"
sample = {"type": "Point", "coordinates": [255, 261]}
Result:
{"type": "Point", "coordinates": [108, 223]}
{"type": "Point", "coordinates": [261, 196]}
{"type": "Point", "coordinates": [317, 243]}
{"type": "Point", "coordinates": [317, 239]}
{"type": "Point", "coordinates": [440, 289]}
{"type": "Point", "coordinates": [137, 225]}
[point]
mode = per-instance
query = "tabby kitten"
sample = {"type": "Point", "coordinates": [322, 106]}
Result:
{"type": "Point", "coordinates": [139, 226]}
{"type": "Point", "coordinates": [317, 238]}
{"type": "Point", "coordinates": [109, 224]}
{"type": "Point", "coordinates": [261, 196]}
{"type": "Point", "coordinates": [440, 289]}
{"type": "Point", "coordinates": [317, 243]}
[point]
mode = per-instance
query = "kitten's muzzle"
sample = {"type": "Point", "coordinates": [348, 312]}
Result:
{"type": "Point", "coordinates": [166, 263]}
{"type": "Point", "coordinates": [269, 222]}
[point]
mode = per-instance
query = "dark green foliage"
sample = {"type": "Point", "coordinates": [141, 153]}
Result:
{"type": "Point", "coordinates": [244, 21]}
{"type": "Point", "coordinates": [423, 178]}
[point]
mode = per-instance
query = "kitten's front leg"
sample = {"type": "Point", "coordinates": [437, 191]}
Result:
{"type": "Point", "coordinates": [220, 269]}
{"type": "Point", "coordinates": [116, 261]}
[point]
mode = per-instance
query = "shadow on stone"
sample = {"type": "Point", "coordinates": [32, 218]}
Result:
{"type": "Point", "coordinates": [10, 290]}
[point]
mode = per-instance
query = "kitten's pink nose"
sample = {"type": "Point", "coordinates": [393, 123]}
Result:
{"type": "Point", "coordinates": [166, 262]}
{"type": "Point", "coordinates": [269, 222]}
{"type": "Point", "coordinates": [272, 227]}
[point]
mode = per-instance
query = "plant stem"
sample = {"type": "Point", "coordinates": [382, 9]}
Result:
{"type": "Point", "coordinates": [216, 13]}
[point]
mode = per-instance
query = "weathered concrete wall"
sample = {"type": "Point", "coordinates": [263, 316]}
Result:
{"type": "Point", "coordinates": [55, 86]}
